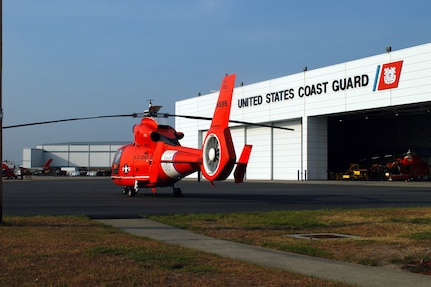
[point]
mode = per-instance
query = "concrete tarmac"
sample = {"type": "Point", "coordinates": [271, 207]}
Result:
{"type": "Point", "coordinates": [359, 275]}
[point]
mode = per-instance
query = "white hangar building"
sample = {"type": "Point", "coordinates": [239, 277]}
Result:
{"type": "Point", "coordinates": [89, 155]}
{"type": "Point", "coordinates": [340, 114]}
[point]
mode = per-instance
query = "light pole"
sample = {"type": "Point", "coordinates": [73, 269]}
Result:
{"type": "Point", "coordinates": [1, 107]}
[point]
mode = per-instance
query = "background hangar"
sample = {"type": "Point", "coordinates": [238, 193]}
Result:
{"type": "Point", "coordinates": [346, 113]}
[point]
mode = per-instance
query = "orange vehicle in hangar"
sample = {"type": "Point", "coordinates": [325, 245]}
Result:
{"type": "Point", "coordinates": [408, 167]}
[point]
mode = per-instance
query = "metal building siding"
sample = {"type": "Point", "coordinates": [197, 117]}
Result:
{"type": "Point", "coordinates": [259, 166]}
{"type": "Point", "coordinates": [90, 155]}
{"type": "Point", "coordinates": [287, 151]}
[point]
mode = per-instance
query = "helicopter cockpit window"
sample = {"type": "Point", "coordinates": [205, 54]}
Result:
{"type": "Point", "coordinates": [116, 162]}
{"type": "Point", "coordinates": [167, 139]}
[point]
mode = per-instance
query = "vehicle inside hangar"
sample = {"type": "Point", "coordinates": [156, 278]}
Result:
{"type": "Point", "coordinates": [375, 136]}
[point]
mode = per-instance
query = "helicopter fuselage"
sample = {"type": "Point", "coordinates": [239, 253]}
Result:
{"type": "Point", "coordinates": [155, 158]}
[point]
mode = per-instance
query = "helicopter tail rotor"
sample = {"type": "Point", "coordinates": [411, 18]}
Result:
{"type": "Point", "coordinates": [218, 155]}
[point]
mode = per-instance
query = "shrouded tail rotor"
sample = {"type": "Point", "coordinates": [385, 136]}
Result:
{"type": "Point", "coordinates": [218, 155]}
{"type": "Point", "coordinates": [211, 154]}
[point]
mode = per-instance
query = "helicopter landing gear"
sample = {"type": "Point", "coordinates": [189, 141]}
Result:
{"type": "Point", "coordinates": [130, 191]}
{"type": "Point", "coordinates": [177, 192]}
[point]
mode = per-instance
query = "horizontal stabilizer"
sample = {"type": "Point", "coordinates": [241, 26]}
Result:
{"type": "Point", "coordinates": [241, 165]}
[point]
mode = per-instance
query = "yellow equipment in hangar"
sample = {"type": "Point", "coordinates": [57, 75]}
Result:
{"type": "Point", "coordinates": [355, 173]}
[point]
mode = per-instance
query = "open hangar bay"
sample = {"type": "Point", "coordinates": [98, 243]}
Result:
{"type": "Point", "coordinates": [375, 136]}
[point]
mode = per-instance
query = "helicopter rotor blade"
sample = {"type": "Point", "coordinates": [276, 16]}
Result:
{"type": "Point", "coordinates": [134, 115]}
{"type": "Point", "coordinates": [231, 121]}
{"type": "Point", "coordinates": [69, 120]}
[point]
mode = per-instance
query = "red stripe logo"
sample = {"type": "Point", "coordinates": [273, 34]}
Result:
{"type": "Point", "coordinates": [390, 75]}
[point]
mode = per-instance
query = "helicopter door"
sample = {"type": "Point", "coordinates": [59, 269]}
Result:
{"type": "Point", "coordinates": [127, 162]}
{"type": "Point", "coordinates": [123, 162]}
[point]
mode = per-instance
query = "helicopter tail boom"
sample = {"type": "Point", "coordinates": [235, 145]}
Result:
{"type": "Point", "coordinates": [172, 164]}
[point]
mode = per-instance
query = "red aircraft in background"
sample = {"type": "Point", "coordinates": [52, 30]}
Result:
{"type": "Point", "coordinates": [408, 167]}
{"type": "Point", "coordinates": [156, 159]}
{"type": "Point", "coordinates": [46, 168]}
{"type": "Point", "coordinates": [10, 171]}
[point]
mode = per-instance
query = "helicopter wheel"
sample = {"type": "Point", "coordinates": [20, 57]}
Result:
{"type": "Point", "coordinates": [177, 192]}
{"type": "Point", "coordinates": [131, 192]}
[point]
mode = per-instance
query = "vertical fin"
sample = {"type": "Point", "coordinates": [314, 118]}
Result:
{"type": "Point", "coordinates": [242, 164]}
{"type": "Point", "coordinates": [224, 102]}
{"type": "Point", "coordinates": [47, 164]}
{"type": "Point", "coordinates": [218, 153]}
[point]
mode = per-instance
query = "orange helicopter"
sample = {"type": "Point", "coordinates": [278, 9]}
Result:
{"type": "Point", "coordinates": [408, 167]}
{"type": "Point", "coordinates": [156, 158]}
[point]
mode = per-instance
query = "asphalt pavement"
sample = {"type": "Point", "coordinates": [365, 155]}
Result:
{"type": "Point", "coordinates": [98, 197]}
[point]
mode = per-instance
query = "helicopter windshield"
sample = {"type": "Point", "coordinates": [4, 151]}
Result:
{"type": "Point", "coordinates": [117, 156]}
{"type": "Point", "coordinates": [116, 161]}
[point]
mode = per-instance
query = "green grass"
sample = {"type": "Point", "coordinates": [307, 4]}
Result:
{"type": "Point", "coordinates": [169, 259]}
{"type": "Point", "coordinates": [249, 220]}
{"type": "Point", "coordinates": [300, 247]}
{"type": "Point", "coordinates": [425, 235]}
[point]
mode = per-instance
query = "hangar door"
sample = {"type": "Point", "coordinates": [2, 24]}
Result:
{"type": "Point", "coordinates": [276, 153]}
{"type": "Point", "coordinates": [366, 137]}
{"type": "Point", "coordinates": [287, 151]}
{"type": "Point", "coordinates": [259, 166]}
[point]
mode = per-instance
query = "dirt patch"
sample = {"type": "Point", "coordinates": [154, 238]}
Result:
{"type": "Point", "coordinates": [418, 266]}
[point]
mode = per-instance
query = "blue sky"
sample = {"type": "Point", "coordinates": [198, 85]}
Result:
{"type": "Point", "coordinates": [77, 58]}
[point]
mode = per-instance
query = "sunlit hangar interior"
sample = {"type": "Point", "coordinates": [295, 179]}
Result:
{"type": "Point", "coordinates": [354, 112]}
{"type": "Point", "coordinates": [84, 155]}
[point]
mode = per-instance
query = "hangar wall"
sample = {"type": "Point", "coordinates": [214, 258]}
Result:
{"type": "Point", "coordinates": [305, 101]}
{"type": "Point", "coordinates": [317, 146]}
{"type": "Point", "coordinates": [32, 155]}
{"type": "Point", "coordinates": [85, 154]}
